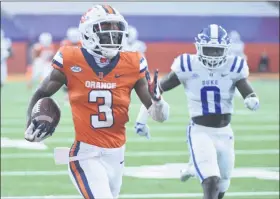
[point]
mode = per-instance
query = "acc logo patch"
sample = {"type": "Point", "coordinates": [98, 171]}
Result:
{"type": "Point", "coordinates": [76, 69]}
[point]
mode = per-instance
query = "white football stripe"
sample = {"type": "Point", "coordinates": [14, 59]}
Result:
{"type": "Point", "coordinates": [214, 31]}
{"type": "Point", "coordinates": [58, 57]}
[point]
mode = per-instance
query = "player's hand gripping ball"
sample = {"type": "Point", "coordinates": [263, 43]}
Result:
{"type": "Point", "coordinates": [45, 117]}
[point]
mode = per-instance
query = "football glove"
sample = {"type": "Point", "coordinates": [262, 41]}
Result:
{"type": "Point", "coordinates": [252, 103]}
{"type": "Point", "coordinates": [36, 132]}
{"type": "Point", "coordinates": [142, 130]}
{"type": "Point", "coordinates": [153, 86]}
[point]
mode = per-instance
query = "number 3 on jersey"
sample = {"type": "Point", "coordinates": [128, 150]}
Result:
{"type": "Point", "coordinates": [205, 101]}
{"type": "Point", "coordinates": [104, 118]}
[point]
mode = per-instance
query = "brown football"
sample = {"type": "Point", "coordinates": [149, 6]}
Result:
{"type": "Point", "coordinates": [46, 110]}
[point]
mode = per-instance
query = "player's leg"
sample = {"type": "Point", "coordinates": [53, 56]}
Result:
{"type": "Point", "coordinates": [46, 69]}
{"type": "Point", "coordinates": [114, 164]}
{"type": "Point", "coordinates": [90, 178]}
{"type": "Point", "coordinates": [226, 159]}
{"type": "Point", "coordinates": [204, 158]}
{"type": "Point", "coordinates": [36, 72]}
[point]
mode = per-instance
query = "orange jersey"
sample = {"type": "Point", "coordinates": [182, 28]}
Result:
{"type": "Point", "coordinates": [67, 42]}
{"type": "Point", "coordinates": [43, 52]}
{"type": "Point", "coordinates": [99, 97]}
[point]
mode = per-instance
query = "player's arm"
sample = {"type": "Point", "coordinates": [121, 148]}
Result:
{"type": "Point", "coordinates": [50, 85]}
{"type": "Point", "coordinates": [251, 100]}
{"type": "Point", "coordinates": [169, 82]}
{"type": "Point", "coordinates": [148, 93]}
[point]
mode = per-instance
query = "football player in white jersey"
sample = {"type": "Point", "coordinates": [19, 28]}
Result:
{"type": "Point", "coordinates": [237, 45]}
{"type": "Point", "coordinates": [6, 51]}
{"type": "Point", "coordinates": [132, 43]}
{"type": "Point", "coordinates": [210, 78]}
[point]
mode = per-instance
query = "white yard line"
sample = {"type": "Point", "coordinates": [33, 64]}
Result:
{"type": "Point", "coordinates": [245, 138]}
{"type": "Point", "coordinates": [140, 154]}
{"type": "Point", "coordinates": [173, 118]}
{"type": "Point", "coordinates": [156, 195]}
{"type": "Point", "coordinates": [65, 172]}
{"type": "Point", "coordinates": [168, 128]}
{"type": "Point", "coordinates": [177, 139]}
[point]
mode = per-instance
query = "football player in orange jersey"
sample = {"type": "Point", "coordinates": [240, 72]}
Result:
{"type": "Point", "coordinates": [42, 53]}
{"type": "Point", "coordinates": [72, 39]}
{"type": "Point", "coordinates": [100, 78]}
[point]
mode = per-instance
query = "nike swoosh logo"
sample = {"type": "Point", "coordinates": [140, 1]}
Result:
{"type": "Point", "coordinates": [122, 162]}
{"type": "Point", "coordinates": [117, 75]}
{"type": "Point", "coordinates": [223, 75]}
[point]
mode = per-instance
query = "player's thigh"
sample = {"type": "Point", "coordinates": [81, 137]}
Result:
{"type": "Point", "coordinates": [226, 158]}
{"type": "Point", "coordinates": [203, 152]}
{"type": "Point", "coordinates": [114, 164]}
{"type": "Point", "coordinates": [90, 178]}
{"type": "Point", "coordinates": [36, 69]}
{"type": "Point", "coordinates": [47, 69]}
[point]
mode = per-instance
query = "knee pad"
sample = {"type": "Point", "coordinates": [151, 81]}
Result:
{"type": "Point", "coordinates": [211, 180]}
{"type": "Point", "coordinates": [224, 185]}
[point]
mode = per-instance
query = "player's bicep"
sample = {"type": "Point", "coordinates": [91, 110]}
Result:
{"type": "Point", "coordinates": [169, 82]}
{"type": "Point", "coordinates": [52, 83]}
{"type": "Point", "coordinates": [141, 89]}
{"type": "Point", "coordinates": [244, 87]}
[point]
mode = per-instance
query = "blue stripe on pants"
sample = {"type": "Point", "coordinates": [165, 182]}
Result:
{"type": "Point", "coordinates": [193, 156]}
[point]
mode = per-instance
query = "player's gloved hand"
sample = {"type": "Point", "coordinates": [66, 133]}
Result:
{"type": "Point", "coordinates": [142, 130]}
{"type": "Point", "coordinates": [153, 86]}
{"type": "Point", "coordinates": [36, 132]}
{"type": "Point", "coordinates": [252, 103]}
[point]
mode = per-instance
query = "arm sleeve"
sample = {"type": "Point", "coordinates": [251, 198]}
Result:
{"type": "Point", "coordinates": [242, 71]}
{"type": "Point", "coordinates": [143, 115]}
{"type": "Point", "coordinates": [57, 61]}
{"type": "Point", "coordinates": [143, 66]}
{"type": "Point", "coordinates": [179, 66]}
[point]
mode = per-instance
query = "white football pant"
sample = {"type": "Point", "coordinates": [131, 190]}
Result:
{"type": "Point", "coordinates": [212, 152]}
{"type": "Point", "coordinates": [98, 172]}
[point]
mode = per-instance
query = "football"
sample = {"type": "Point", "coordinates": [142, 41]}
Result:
{"type": "Point", "coordinates": [46, 110]}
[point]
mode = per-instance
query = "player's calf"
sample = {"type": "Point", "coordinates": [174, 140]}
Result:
{"type": "Point", "coordinates": [211, 187]}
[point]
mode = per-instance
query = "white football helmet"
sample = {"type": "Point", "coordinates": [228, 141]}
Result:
{"type": "Point", "coordinates": [45, 39]}
{"type": "Point", "coordinates": [103, 29]}
{"type": "Point", "coordinates": [132, 34]}
{"type": "Point", "coordinates": [234, 36]}
{"type": "Point", "coordinates": [73, 34]}
{"type": "Point", "coordinates": [212, 45]}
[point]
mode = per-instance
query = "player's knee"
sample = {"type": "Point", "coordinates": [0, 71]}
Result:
{"type": "Point", "coordinates": [213, 180]}
{"type": "Point", "coordinates": [221, 195]}
{"type": "Point", "coordinates": [224, 185]}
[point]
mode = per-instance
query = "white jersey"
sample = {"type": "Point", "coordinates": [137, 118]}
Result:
{"type": "Point", "coordinates": [136, 46]}
{"type": "Point", "coordinates": [209, 91]}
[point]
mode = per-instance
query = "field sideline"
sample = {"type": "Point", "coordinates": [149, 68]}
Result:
{"type": "Point", "coordinates": [152, 166]}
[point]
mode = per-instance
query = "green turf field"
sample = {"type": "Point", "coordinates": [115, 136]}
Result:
{"type": "Point", "coordinates": [32, 172]}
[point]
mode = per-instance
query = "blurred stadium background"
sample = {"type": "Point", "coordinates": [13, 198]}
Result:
{"type": "Point", "coordinates": [168, 29]}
